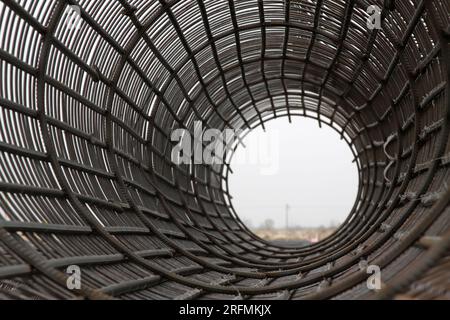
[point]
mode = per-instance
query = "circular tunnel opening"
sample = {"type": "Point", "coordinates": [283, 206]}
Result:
{"type": "Point", "coordinates": [293, 182]}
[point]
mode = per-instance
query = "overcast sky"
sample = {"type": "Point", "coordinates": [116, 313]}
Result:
{"type": "Point", "coordinates": [310, 169]}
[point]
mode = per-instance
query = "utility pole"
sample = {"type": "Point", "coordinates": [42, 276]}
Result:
{"type": "Point", "coordinates": [287, 216]}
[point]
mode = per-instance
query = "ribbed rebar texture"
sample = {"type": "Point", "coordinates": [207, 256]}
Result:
{"type": "Point", "coordinates": [91, 90]}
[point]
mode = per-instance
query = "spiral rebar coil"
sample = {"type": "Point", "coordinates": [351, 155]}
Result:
{"type": "Point", "coordinates": [87, 106]}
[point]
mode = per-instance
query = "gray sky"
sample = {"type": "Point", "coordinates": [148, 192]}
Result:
{"type": "Point", "coordinates": [310, 169]}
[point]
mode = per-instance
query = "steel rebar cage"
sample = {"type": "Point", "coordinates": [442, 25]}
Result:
{"type": "Point", "coordinates": [91, 90]}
